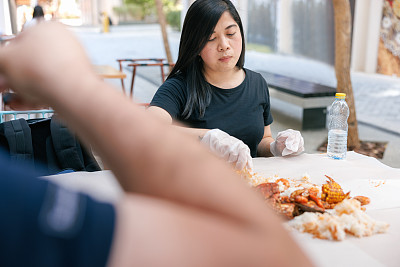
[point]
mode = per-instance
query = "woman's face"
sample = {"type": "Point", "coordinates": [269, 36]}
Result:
{"type": "Point", "coordinates": [222, 51]}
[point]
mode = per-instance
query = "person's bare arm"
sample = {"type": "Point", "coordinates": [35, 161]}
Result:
{"type": "Point", "coordinates": [153, 232]}
{"type": "Point", "coordinates": [165, 117]}
{"type": "Point", "coordinates": [174, 168]}
{"type": "Point", "coordinates": [263, 149]}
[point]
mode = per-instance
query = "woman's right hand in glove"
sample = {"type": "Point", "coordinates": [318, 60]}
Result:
{"type": "Point", "coordinates": [228, 147]}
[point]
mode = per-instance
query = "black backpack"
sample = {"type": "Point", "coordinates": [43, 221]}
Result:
{"type": "Point", "coordinates": [46, 145]}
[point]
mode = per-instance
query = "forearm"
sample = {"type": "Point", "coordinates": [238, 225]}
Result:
{"type": "Point", "coordinates": [193, 132]}
{"type": "Point", "coordinates": [164, 117]}
{"type": "Point", "coordinates": [199, 237]}
{"type": "Point", "coordinates": [263, 149]}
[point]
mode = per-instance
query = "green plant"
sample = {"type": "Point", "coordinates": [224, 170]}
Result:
{"type": "Point", "coordinates": [147, 6]}
{"type": "Point", "coordinates": [128, 12]}
{"type": "Point", "coordinates": [258, 48]}
{"type": "Point", "coordinates": [173, 18]}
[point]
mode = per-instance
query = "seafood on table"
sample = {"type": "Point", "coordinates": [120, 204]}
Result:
{"type": "Point", "coordinates": [346, 218]}
{"type": "Point", "coordinates": [325, 211]}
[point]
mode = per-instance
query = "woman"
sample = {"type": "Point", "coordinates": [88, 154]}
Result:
{"type": "Point", "coordinates": [37, 17]}
{"type": "Point", "coordinates": [209, 89]}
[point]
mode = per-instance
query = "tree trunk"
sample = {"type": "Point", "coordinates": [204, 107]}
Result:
{"type": "Point", "coordinates": [163, 25]}
{"type": "Point", "coordinates": [342, 65]}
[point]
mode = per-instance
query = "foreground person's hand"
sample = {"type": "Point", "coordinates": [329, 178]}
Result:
{"type": "Point", "coordinates": [57, 57]}
{"type": "Point", "coordinates": [229, 148]}
{"type": "Point", "coordinates": [288, 142]}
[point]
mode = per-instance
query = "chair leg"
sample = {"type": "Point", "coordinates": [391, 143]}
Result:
{"type": "Point", "coordinates": [162, 73]}
{"type": "Point", "coordinates": [122, 80]}
{"type": "Point", "coordinates": [133, 80]}
{"type": "Point", "coordinates": [123, 86]}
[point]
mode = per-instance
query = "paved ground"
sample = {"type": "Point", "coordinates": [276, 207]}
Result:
{"type": "Point", "coordinates": [377, 97]}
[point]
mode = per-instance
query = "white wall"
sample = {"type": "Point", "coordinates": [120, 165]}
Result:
{"type": "Point", "coordinates": [107, 6]}
{"type": "Point", "coordinates": [91, 10]}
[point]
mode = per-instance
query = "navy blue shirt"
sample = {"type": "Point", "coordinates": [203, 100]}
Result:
{"type": "Point", "coordinates": [43, 224]}
{"type": "Point", "coordinates": [242, 111]}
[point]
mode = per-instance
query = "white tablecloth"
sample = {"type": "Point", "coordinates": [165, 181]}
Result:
{"type": "Point", "coordinates": [358, 174]}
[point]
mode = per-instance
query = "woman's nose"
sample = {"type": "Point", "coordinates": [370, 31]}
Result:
{"type": "Point", "coordinates": [223, 45]}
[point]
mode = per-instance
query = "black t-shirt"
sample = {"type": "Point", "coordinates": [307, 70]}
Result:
{"type": "Point", "coordinates": [43, 224]}
{"type": "Point", "coordinates": [242, 111]}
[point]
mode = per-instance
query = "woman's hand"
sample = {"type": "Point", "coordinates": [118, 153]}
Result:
{"type": "Point", "coordinates": [288, 142]}
{"type": "Point", "coordinates": [229, 148]}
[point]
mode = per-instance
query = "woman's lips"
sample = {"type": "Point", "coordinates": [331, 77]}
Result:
{"type": "Point", "coordinates": [225, 59]}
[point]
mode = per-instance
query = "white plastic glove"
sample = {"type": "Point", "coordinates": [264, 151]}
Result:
{"type": "Point", "coordinates": [228, 148]}
{"type": "Point", "coordinates": [288, 142]}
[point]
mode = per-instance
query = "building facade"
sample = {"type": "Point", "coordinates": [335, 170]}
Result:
{"type": "Point", "coordinates": [92, 10]}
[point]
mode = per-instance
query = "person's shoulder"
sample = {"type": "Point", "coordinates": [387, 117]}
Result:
{"type": "Point", "coordinates": [252, 73]}
{"type": "Point", "coordinates": [180, 77]}
{"type": "Point", "coordinates": [176, 81]}
{"type": "Point", "coordinates": [254, 76]}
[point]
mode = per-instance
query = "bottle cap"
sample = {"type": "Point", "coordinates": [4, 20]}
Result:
{"type": "Point", "coordinates": [340, 95]}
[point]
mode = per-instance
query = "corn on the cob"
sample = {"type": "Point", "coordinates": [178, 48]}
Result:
{"type": "Point", "coordinates": [332, 192]}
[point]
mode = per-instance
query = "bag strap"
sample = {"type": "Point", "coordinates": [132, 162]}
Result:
{"type": "Point", "coordinates": [66, 147]}
{"type": "Point", "coordinates": [53, 165]}
{"type": "Point", "coordinates": [91, 164]}
{"type": "Point", "coordinates": [19, 138]}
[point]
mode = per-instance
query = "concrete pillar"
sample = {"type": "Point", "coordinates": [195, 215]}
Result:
{"type": "Point", "coordinates": [5, 19]}
{"type": "Point", "coordinates": [284, 27]}
{"type": "Point", "coordinates": [366, 28]}
{"type": "Point", "coordinates": [90, 12]}
{"type": "Point", "coordinates": [242, 8]}
{"type": "Point", "coordinates": [92, 9]}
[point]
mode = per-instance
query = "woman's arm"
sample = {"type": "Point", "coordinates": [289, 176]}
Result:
{"type": "Point", "coordinates": [228, 147]}
{"type": "Point", "coordinates": [165, 117]}
{"type": "Point", "coordinates": [263, 149]}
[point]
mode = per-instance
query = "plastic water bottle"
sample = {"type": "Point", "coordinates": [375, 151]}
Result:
{"type": "Point", "coordinates": [337, 125]}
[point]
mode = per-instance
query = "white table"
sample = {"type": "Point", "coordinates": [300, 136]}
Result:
{"type": "Point", "coordinates": [359, 174]}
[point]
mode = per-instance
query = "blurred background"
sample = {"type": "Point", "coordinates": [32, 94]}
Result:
{"type": "Point", "coordinates": [302, 28]}
{"type": "Point", "coordinates": [293, 38]}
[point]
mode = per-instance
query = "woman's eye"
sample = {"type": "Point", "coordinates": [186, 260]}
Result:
{"type": "Point", "coordinates": [231, 34]}
{"type": "Point", "coordinates": [212, 39]}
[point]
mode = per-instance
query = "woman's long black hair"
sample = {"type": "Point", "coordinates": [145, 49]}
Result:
{"type": "Point", "coordinates": [199, 24]}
